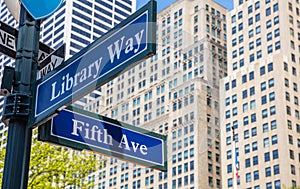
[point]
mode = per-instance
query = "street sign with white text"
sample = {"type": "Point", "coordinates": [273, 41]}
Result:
{"type": "Point", "coordinates": [8, 42]}
{"type": "Point", "coordinates": [132, 41]}
{"type": "Point", "coordinates": [52, 61]}
{"type": "Point", "coordinates": [81, 130]}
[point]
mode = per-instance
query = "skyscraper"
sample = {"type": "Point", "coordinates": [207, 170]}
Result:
{"type": "Point", "coordinates": [260, 96]}
{"type": "Point", "coordinates": [174, 93]}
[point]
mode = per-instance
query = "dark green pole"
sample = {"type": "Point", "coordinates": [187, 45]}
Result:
{"type": "Point", "coordinates": [17, 105]}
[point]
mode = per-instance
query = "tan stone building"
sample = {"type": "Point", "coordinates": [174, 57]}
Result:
{"type": "Point", "coordinates": [174, 93]}
{"type": "Point", "coordinates": [260, 96]}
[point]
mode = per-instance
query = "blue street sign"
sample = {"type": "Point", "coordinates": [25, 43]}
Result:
{"type": "Point", "coordinates": [83, 130]}
{"type": "Point", "coordinates": [40, 9]}
{"type": "Point", "coordinates": [120, 49]}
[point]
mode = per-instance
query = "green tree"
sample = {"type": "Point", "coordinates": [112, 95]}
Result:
{"type": "Point", "coordinates": [54, 166]}
{"type": "Point", "coordinates": [2, 155]}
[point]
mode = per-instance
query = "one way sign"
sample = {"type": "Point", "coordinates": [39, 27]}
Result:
{"type": "Point", "coordinates": [8, 42]}
{"type": "Point", "coordinates": [52, 61]}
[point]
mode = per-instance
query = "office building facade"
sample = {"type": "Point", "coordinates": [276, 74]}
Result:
{"type": "Point", "coordinates": [174, 93]}
{"type": "Point", "coordinates": [260, 96]}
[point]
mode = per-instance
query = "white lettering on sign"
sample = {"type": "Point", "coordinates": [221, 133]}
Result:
{"type": "Point", "coordinates": [118, 46]}
{"type": "Point", "coordinates": [125, 144]}
{"type": "Point", "coordinates": [7, 40]}
{"type": "Point", "coordinates": [91, 70]}
{"type": "Point", "coordinates": [95, 133]}
{"type": "Point", "coordinates": [55, 61]}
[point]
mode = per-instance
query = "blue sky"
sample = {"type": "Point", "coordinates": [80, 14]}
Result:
{"type": "Point", "coordinates": [164, 3]}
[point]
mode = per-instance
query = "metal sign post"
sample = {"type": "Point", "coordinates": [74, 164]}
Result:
{"type": "Point", "coordinates": [17, 105]}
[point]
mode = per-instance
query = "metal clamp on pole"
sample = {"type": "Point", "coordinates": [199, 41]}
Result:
{"type": "Point", "coordinates": [17, 105]}
{"type": "Point", "coordinates": [7, 81]}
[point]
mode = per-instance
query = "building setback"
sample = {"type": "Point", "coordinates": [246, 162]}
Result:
{"type": "Point", "coordinates": [260, 96]}
{"type": "Point", "coordinates": [176, 93]}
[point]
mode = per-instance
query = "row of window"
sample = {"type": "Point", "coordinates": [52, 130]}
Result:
{"type": "Point", "coordinates": [252, 105]}
{"type": "Point", "coordinates": [178, 104]}
{"type": "Point", "coordinates": [265, 127]}
{"type": "Point", "coordinates": [269, 185]}
{"type": "Point", "coordinates": [187, 167]}
{"type": "Point", "coordinates": [178, 146]}
{"type": "Point", "coordinates": [257, 16]}
{"type": "Point", "coordinates": [268, 173]}
{"type": "Point", "coordinates": [181, 132]}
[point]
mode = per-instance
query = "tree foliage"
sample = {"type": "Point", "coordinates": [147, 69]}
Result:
{"type": "Point", "coordinates": [54, 166]}
{"type": "Point", "coordinates": [2, 155]}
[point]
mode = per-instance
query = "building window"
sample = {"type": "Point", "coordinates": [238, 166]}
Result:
{"type": "Point", "coordinates": [263, 86]}
{"type": "Point", "coordinates": [272, 110]}
{"type": "Point", "coordinates": [276, 20]}
{"type": "Point", "coordinates": [250, 21]}
{"type": "Point", "coordinates": [258, 42]}
{"type": "Point", "coordinates": [277, 184]}
{"type": "Point", "coordinates": [276, 169]}
{"type": "Point", "coordinates": [274, 139]}
{"type": "Point", "coordinates": [256, 175]}
{"type": "Point", "coordinates": [233, 31]}
{"type": "Point", "coordinates": [275, 154]}
{"type": "Point", "coordinates": [270, 49]}
{"type": "Point", "coordinates": [276, 33]}
{"type": "Point", "coordinates": [247, 148]}
{"type": "Point", "coordinates": [263, 99]}
{"type": "Point", "coordinates": [267, 156]}
{"type": "Point", "coordinates": [269, 185]}
{"type": "Point", "coordinates": [270, 67]}
{"type": "Point", "coordinates": [268, 24]}
{"type": "Point", "coordinates": [255, 160]}
{"type": "Point", "coordinates": [259, 54]}
{"type": "Point", "coordinates": [264, 113]}
{"type": "Point", "coordinates": [250, 9]}
{"type": "Point", "coordinates": [247, 163]}
{"type": "Point", "coordinates": [266, 142]}
{"type": "Point", "coordinates": [293, 170]}
{"type": "Point", "coordinates": [251, 45]}
{"type": "Point", "coordinates": [229, 182]}
{"type": "Point", "coordinates": [254, 146]}
{"type": "Point", "coordinates": [248, 177]}
{"type": "Point", "coordinates": [254, 131]}
{"type": "Point", "coordinates": [268, 172]}
{"type": "Point", "coordinates": [257, 5]}
{"type": "Point", "coordinates": [277, 45]}
{"type": "Point", "coordinates": [246, 120]}
{"type": "Point", "coordinates": [240, 26]}
{"type": "Point", "coordinates": [244, 78]}
{"type": "Point", "coordinates": [257, 17]}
